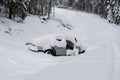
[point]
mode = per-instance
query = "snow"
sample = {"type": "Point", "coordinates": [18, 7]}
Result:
{"type": "Point", "coordinates": [49, 40]}
{"type": "Point", "coordinates": [101, 61]}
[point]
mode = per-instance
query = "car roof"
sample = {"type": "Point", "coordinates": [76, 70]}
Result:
{"type": "Point", "coordinates": [51, 40]}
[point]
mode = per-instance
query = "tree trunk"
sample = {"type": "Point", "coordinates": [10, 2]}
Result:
{"type": "Point", "coordinates": [10, 13]}
{"type": "Point", "coordinates": [49, 9]}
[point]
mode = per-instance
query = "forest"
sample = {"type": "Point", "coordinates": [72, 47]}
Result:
{"type": "Point", "coordinates": [108, 9]}
{"type": "Point", "coordinates": [21, 8]}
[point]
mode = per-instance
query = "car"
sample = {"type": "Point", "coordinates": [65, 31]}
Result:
{"type": "Point", "coordinates": [56, 45]}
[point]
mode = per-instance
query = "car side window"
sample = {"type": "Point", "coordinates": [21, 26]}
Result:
{"type": "Point", "coordinates": [70, 45]}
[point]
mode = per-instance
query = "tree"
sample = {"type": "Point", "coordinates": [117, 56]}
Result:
{"type": "Point", "coordinates": [20, 8]}
{"type": "Point", "coordinates": [49, 8]}
{"type": "Point", "coordinates": [71, 3]}
{"type": "Point", "coordinates": [108, 9]}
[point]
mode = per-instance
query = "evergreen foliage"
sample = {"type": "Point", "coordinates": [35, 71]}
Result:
{"type": "Point", "coordinates": [21, 8]}
{"type": "Point", "coordinates": [108, 9]}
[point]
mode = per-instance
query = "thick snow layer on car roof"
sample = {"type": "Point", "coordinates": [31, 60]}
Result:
{"type": "Point", "coordinates": [50, 40]}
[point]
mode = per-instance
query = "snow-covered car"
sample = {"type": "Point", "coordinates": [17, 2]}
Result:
{"type": "Point", "coordinates": [56, 45]}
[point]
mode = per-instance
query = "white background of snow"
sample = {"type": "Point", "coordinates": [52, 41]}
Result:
{"type": "Point", "coordinates": [101, 40]}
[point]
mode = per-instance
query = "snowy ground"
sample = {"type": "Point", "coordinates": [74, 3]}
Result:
{"type": "Point", "coordinates": [100, 39]}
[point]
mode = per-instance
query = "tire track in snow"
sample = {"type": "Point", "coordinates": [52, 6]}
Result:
{"type": "Point", "coordinates": [109, 65]}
